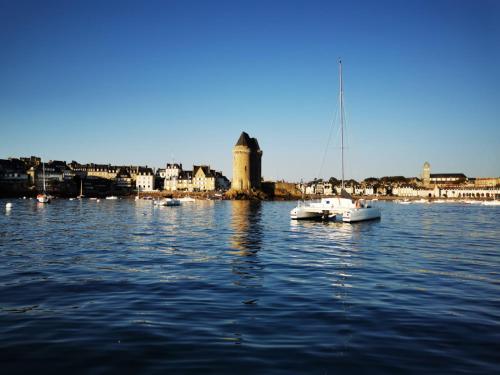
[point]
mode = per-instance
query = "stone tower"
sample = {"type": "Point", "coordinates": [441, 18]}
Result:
{"type": "Point", "coordinates": [426, 174]}
{"type": "Point", "coordinates": [247, 162]}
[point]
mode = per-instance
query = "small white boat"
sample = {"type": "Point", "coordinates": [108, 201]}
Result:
{"type": "Point", "coordinates": [421, 201]}
{"type": "Point", "coordinates": [187, 199]}
{"type": "Point", "coordinates": [112, 197]}
{"type": "Point", "coordinates": [167, 202]}
{"type": "Point", "coordinates": [8, 206]}
{"type": "Point", "coordinates": [491, 203]}
{"type": "Point", "coordinates": [43, 197]}
{"type": "Point", "coordinates": [404, 201]}
{"type": "Point", "coordinates": [470, 201]}
{"type": "Point", "coordinates": [81, 196]}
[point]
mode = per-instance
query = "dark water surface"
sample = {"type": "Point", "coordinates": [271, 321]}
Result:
{"type": "Point", "coordinates": [236, 287]}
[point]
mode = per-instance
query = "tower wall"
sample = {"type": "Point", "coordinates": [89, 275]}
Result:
{"type": "Point", "coordinates": [255, 170]}
{"type": "Point", "coordinates": [426, 174]}
{"type": "Point", "coordinates": [241, 168]}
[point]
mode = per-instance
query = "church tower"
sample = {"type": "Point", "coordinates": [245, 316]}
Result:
{"type": "Point", "coordinates": [426, 174]}
{"type": "Point", "coordinates": [247, 157]}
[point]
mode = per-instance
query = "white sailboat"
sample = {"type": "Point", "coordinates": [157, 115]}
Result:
{"type": "Point", "coordinates": [43, 197]}
{"type": "Point", "coordinates": [81, 196]}
{"type": "Point", "coordinates": [350, 209]}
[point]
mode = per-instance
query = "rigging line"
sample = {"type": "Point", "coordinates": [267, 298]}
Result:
{"type": "Point", "coordinates": [348, 146]}
{"type": "Point", "coordinates": [328, 143]}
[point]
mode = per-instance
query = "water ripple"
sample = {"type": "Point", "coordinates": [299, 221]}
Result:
{"type": "Point", "coordinates": [219, 287]}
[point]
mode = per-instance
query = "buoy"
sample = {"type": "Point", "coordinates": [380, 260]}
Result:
{"type": "Point", "coordinates": [98, 200]}
{"type": "Point", "coordinates": [8, 206]}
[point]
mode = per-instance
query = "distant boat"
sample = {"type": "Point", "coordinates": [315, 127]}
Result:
{"type": "Point", "coordinates": [112, 197]}
{"type": "Point", "coordinates": [491, 203]}
{"type": "Point", "coordinates": [470, 201]}
{"type": "Point", "coordinates": [187, 199]}
{"type": "Point", "coordinates": [350, 209]}
{"type": "Point", "coordinates": [421, 201]}
{"type": "Point", "coordinates": [167, 202]}
{"type": "Point", "coordinates": [43, 197]}
{"type": "Point", "coordinates": [404, 201]}
{"type": "Point", "coordinates": [81, 190]}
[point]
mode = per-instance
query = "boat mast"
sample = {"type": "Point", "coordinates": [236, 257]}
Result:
{"type": "Point", "coordinates": [341, 99]}
{"type": "Point", "coordinates": [43, 176]}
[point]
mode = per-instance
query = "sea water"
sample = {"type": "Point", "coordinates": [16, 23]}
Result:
{"type": "Point", "coordinates": [237, 287]}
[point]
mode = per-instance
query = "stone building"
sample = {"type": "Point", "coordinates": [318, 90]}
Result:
{"type": "Point", "coordinates": [247, 162]}
{"type": "Point", "coordinates": [201, 178]}
{"type": "Point", "coordinates": [431, 179]}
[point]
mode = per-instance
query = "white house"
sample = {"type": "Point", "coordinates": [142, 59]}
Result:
{"type": "Point", "coordinates": [145, 182]}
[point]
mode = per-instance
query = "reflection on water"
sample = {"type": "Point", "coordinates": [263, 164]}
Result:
{"type": "Point", "coordinates": [334, 230]}
{"type": "Point", "coordinates": [246, 242]}
{"type": "Point", "coordinates": [247, 227]}
{"type": "Point", "coordinates": [332, 248]}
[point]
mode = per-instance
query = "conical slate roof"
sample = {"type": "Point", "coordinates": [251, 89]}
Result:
{"type": "Point", "coordinates": [245, 140]}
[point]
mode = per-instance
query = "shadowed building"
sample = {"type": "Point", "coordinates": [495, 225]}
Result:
{"type": "Point", "coordinates": [247, 157]}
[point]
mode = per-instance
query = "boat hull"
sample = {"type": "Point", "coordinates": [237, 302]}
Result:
{"type": "Point", "coordinates": [361, 214]}
{"type": "Point", "coordinates": [168, 202]}
{"type": "Point", "coordinates": [43, 198]}
{"type": "Point", "coordinates": [299, 213]}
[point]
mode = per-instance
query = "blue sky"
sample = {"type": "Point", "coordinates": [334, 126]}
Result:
{"type": "Point", "coordinates": [147, 82]}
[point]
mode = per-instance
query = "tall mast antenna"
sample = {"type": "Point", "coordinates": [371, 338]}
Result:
{"type": "Point", "coordinates": [341, 99]}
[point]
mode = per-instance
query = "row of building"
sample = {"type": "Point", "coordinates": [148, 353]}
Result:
{"type": "Point", "coordinates": [437, 185]}
{"type": "Point", "coordinates": [480, 188]}
{"type": "Point", "coordinates": [27, 174]}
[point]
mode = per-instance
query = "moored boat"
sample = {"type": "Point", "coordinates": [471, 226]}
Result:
{"type": "Point", "coordinates": [187, 199]}
{"type": "Point", "coordinates": [491, 203]}
{"type": "Point", "coordinates": [350, 209]}
{"type": "Point", "coordinates": [43, 197]}
{"type": "Point", "coordinates": [167, 202]}
{"type": "Point", "coordinates": [81, 196]}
